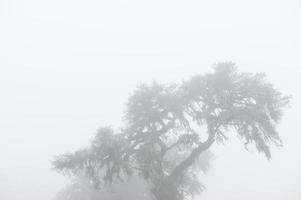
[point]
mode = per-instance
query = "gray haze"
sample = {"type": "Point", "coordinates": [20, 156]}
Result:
{"type": "Point", "coordinates": [67, 67]}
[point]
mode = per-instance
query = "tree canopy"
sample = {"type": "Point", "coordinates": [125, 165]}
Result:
{"type": "Point", "coordinates": [167, 129]}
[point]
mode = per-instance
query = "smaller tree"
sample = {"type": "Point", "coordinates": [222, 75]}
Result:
{"type": "Point", "coordinates": [168, 128]}
{"type": "Point", "coordinates": [81, 189]}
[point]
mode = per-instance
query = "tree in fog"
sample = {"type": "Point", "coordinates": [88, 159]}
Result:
{"type": "Point", "coordinates": [81, 189]}
{"type": "Point", "coordinates": [168, 127]}
{"type": "Point", "coordinates": [78, 189]}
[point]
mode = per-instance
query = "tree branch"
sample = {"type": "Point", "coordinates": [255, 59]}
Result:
{"type": "Point", "coordinates": [179, 169]}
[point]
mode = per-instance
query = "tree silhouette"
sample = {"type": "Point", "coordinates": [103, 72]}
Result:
{"type": "Point", "coordinates": [168, 128]}
{"type": "Point", "coordinates": [81, 189]}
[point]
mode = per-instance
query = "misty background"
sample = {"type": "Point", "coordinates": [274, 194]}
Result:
{"type": "Point", "coordinates": [67, 67]}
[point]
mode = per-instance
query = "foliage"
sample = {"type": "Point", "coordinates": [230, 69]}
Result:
{"type": "Point", "coordinates": [168, 127]}
{"type": "Point", "coordinates": [81, 189]}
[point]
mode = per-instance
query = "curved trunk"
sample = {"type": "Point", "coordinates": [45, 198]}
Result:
{"type": "Point", "coordinates": [191, 158]}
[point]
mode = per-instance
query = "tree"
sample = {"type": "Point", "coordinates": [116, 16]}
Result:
{"type": "Point", "coordinates": [168, 128]}
{"type": "Point", "coordinates": [81, 189]}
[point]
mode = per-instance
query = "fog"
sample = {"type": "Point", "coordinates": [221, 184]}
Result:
{"type": "Point", "coordinates": [68, 67]}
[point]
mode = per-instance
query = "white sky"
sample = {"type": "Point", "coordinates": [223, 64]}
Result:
{"type": "Point", "coordinates": [67, 67]}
